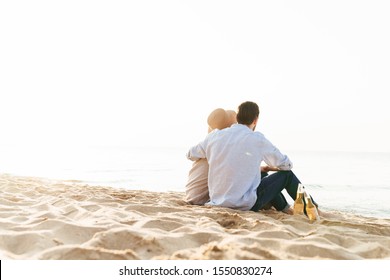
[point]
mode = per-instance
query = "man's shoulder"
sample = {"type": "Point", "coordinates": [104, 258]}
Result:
{"type": "Point", "coordinates": [259, 138]}
{"type": "Point", "coordinates": [258, 134]}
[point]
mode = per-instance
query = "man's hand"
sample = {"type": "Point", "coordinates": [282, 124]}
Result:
{"type": "Point", "coordinates": [267, 168]}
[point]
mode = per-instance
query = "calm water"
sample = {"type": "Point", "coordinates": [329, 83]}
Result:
{"type": "Point", "coordinates": [354, 182]}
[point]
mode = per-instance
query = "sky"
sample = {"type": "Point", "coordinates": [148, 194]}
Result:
{"type": "Point", "coordinates": [148, 73]}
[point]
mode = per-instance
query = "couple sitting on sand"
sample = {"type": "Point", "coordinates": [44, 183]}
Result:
{"type": "Point", "coordinates": [227, 167]}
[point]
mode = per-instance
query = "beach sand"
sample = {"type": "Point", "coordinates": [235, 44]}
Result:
{"type": "Point", "coordinates": [49, 219]}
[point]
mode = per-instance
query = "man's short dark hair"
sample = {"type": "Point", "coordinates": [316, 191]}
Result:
{"type": "Point", "coordinates": [247, 113]}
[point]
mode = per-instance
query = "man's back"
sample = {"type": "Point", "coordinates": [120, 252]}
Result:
{"type": "Point", "coordinates": [234, 157]}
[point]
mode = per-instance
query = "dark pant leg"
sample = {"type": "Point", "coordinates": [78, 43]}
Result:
{"type": "Point", "coordinates": [270, 189]}
{"type": "Point", "coordinates": [279, 202]}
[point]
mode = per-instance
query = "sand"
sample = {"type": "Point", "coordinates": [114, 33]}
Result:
{"type": "Point", "coordinates": [49, 219]}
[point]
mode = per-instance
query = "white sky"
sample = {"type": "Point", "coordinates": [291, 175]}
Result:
{"type": "Point", "coordinates": [149, 72]}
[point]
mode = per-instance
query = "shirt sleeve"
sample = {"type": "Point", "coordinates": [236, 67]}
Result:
{"type": "Point", "coordinates": [197, 152]}
{"type": "Point", "coordinates": [273, 157]}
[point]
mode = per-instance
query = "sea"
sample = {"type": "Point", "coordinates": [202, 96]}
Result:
{"type": "Point", "coordinates": [353, 182]}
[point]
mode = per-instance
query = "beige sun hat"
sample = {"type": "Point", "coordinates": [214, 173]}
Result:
{"type": "Point", "coordinates": [220, 119]}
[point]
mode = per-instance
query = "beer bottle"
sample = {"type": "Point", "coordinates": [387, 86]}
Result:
{"type": "Point", "coordinates": [311, 209]}
{"type": "Point", "coordinates": [298, 203]}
